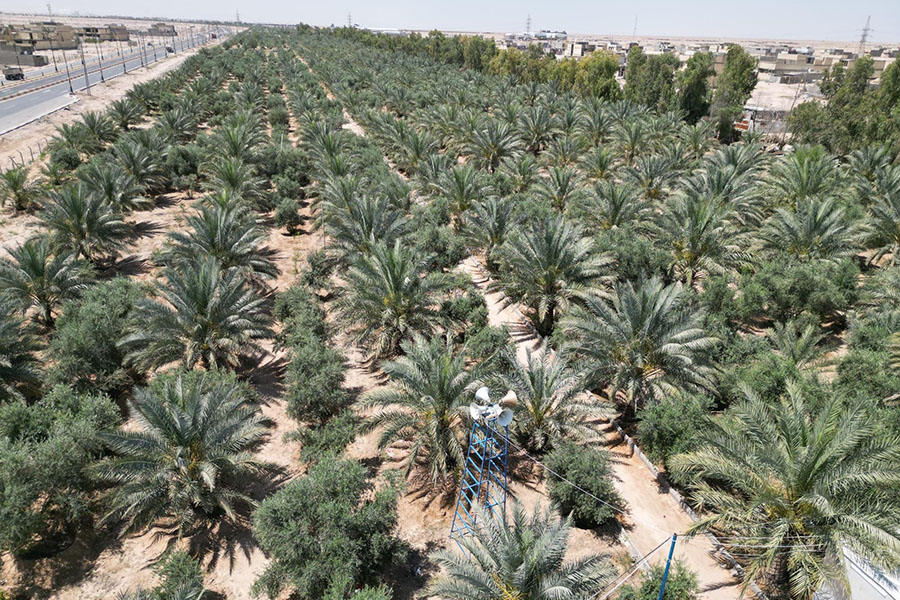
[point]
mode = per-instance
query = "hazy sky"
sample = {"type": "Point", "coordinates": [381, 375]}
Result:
{"type": "Point", "coordinates": [789, 19]}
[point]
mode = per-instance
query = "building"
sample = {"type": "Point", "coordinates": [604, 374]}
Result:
{"type": "Point", "coordinates": [107, 33]}
{"type": "Point", "coordinates": [40, 36]}
{"type": "Point", "coordinates": [162, 30]}
{"type": "Point", "coordinates": [16, 55]}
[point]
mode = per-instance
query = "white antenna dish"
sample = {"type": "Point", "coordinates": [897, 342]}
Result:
{"type": "Point", "coordinates": [505, 418]}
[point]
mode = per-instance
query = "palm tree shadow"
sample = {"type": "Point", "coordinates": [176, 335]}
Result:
{"type": "Point", "coordinates": [267, 378]}
{"type": "Point", "coordinates": [145, 229]}
{"type": "Point", "coordinates": [408, 579]}
{"type": "Point", "coordinates": [227, 540]}
{"type": "Point", "coordinates": [129, 266]}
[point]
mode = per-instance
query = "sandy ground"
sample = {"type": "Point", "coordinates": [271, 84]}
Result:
{"type": "Point", "coordinates": [41, 130]}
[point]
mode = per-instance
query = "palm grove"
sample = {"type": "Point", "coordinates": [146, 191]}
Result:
{"type": "Point", "coordinates": [668, 270]}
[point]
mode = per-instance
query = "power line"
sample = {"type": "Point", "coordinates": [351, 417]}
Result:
{"type": "Point", "coordinates": [609, 590]}
{"type": "Point", "coordinates": [560, 477]}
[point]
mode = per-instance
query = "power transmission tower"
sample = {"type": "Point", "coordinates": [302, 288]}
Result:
{"type": "Point", "coordinates": [528, 24]}
{"type": "Point", "coordinates": [634, 31]}
{"type": "Point", "coordinates": [865, 36]}
{"type": "Point", "coordinates": [349, 19]}
{"type": "Point", "coordinates": [49, 11]}
{"type": "Point", "coordinates": [237, 15]}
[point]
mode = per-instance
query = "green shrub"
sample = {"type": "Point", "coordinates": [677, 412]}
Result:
{"type": "Point", "coordinates": [300, 314]}
{"type": "Point", "coordinates": [65, 158]}
{"type": "Point", "coordinates": [279, 116]}
{"type": "Point", "coordinates": [866, 374]}
{"type": "Point", "coordinates": [287, 215]}
{"type": "Point", "coordinates": [84, 347]}
{"type": "Point", "coordinates": [681, 584]}
{"type": "Point", "coordinates": [325, 523]}
{"type": "Point", "coordinates": [317, 272]}
{"type": "Point", "coordinates": [44, 448]}
{"type": "Point", "coordinates": [589, 469]}
{"type": "Point", "coordinates": [314, 379]}
{"type": "Point", "coordinates": [332, 438]}
{"type": "Point", "coordinates": [670, 427]}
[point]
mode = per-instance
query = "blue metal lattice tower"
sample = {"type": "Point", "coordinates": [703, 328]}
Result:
{"type": "Point", "coordinates": [484, 478]}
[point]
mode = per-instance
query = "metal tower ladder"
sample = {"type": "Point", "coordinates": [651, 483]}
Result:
{"type": "Point", "coordinates": [484, 478]}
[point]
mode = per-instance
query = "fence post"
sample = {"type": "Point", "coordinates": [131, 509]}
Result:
{"type": "Point", "coordinates": [31, 152]}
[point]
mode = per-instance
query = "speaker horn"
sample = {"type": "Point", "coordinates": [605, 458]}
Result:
{"type": "Point", "coordinates": [510, 400]}
{"type": "Point", "coordinates": [505, 418]}
{"type": "Point", "coordinates": [483, 395]}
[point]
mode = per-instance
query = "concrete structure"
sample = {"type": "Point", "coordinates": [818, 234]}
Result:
{"type": "Point", "coordinates": [40, 36]}
{"type": "Point", "coordinates": [106, 33]}
{"type": "Point", "coordinates": [162, 30]}
{"type": "Point", "coordinates": [20, 57]}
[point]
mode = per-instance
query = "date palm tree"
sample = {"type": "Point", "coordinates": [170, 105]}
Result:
{"type": "Point", "coordinates": [597, 163]}
{"type": "Point", "coordinates": [552, 403]}
{"type": "Point", "coordinates": [239, 137]}
{"type": "Point", "coordinates": [19, 367]}
{"type": "Point", "coordinates": [178, 125]}
{"type": "Point", "coordinates": [815, 230]}
{"type": "Point", "coordinates": [486, 227]}
{"type": "Point", "coordinates": [424, 405]}
{"type": "Point", "coordinates": [523, 559]}
{"type": "Point", "coordinates": [461, 186]}
{"type": "Point", "coordinates": [702, 238]}
{"type": "Point", "coordinates": [491, 144]}
{"type": "Point", "coordinates": [223, 233]}
{"type": "Point", "coordinates": [126, 112]}
{"type": "Point", "coordinates": [34, 276]}
{"type": "Point", "coordinates": [99, 131]}
{"type": "Point", "coordinates": [235, 177]}
{"type": "Point", "coordinates": [389, 297]}
{"type": "Point", "coordinates": [611, 205]}
{"type": "Point", "coordinates": [139, 157]}
{"type": "Point", "coordinates": [83, 223]}
{"type": "Point", "coordinates": [651, 174]}
{"type": "Point", "coordinates": [537, 126]}
{"type": "Point", "coordinates": [792, 485]}
{"type": "Point", "coordinates": [806, 173]}
{"type": "Point", "coordinates": [547, 268]}
{"type": "Point", "coordinates": [189, 461]}
{"type": "Point", "coordinates": [357, 229]}
{"type": "Point", "coordinates": [800, 347]}
{"type": "Point", "coordinates": [521, 171]}
{"type": "Point", "coordinates": [118, 189]}
{"type": "Point", "coordinates": [16, 187]}
{"type": "Point", "coordinates": [560, 187]}
{"type": "Point", "coordinates": [884, 219]}
{"type": "Point", "coordinates": [210, 316]}
{"type": "Point", "coordinates": [643, 341]}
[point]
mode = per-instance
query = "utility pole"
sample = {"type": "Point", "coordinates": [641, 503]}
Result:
{"type": "Point", "coordinates": [55, 68]}
{"type": "Point", "coordinates": [141, 47]}
{"type": "Point", "coordinates": [100, 54]}
{"type": "Point", "coordinates": [864, 37]}
{"type": "Point", "coordinates": [662, 588]}
{"type": "Point", "coordinates": [119, 46]}
{"type": "Point", "coordinates": [87, 82]}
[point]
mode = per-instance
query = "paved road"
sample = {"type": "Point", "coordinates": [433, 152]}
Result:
{"type": "Point", "coordinates": [24, 101]}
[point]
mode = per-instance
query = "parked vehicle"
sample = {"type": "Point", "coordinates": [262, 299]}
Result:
{"type": "Point", "coordinates": [13, 73]}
